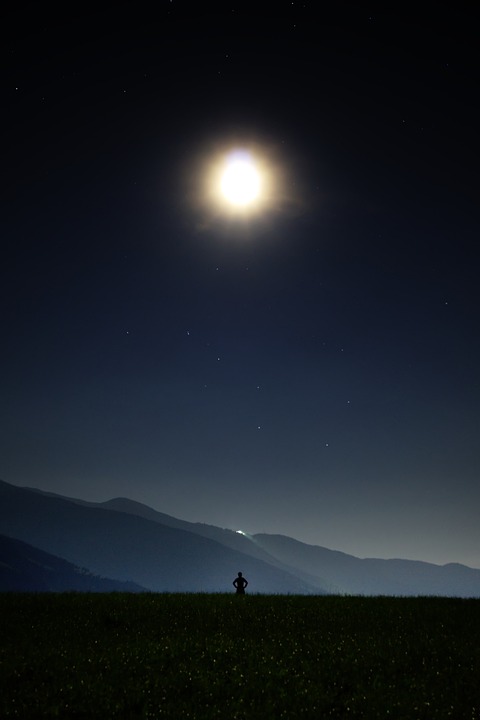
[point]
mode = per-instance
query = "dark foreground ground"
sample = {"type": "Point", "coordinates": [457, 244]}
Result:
{"type": "Point", "coordinates": [222, 656]}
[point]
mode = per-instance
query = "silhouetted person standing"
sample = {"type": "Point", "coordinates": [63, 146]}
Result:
{"type": "Point", "coordinates": [240, 583]}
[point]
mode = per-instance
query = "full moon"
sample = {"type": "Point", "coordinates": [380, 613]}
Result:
{"type": "Point", "coordinates": [240, 179]}
{"type": "Point", "coordinates": [238, 183]}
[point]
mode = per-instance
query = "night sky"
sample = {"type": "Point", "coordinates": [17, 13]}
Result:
{"type": "Point", "coordinates": [311, 369]}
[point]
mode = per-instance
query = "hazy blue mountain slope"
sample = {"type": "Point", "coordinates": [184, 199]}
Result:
{"type": "Point", "coordinates": [24, 568]}
{"type": "Point", "coordinates": [127, 547]}
{"type": "Point", "coordinates": [372, 576]}
{"type": "Point", "coordinates": [234, 540]}
{"type": "Point", "coordinates": [229, 538]}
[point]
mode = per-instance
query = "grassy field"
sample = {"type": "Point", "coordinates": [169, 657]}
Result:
{"type": "Point", "coordinates": [222, 656]}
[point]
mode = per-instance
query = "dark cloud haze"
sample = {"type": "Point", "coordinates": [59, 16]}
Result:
{"type": "Point", "coordinates": [313, 371]}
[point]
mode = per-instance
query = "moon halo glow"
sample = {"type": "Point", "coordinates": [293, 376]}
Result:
{"type": "Point", "coordinates": [238, 182]}
{"type": "Point", "coordinates": [240, 179]}
{"type": "Point", "coordinates": [238, 186]}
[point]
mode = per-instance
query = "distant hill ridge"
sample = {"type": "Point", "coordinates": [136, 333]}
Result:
{"type": "Point", "coordinates": [130, 542]}
{"type": "Point", "coordinates": [24, 568]}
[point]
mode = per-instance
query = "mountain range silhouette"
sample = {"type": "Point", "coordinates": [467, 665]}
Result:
{"type": "Point", "coordinates": [136, 547]}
